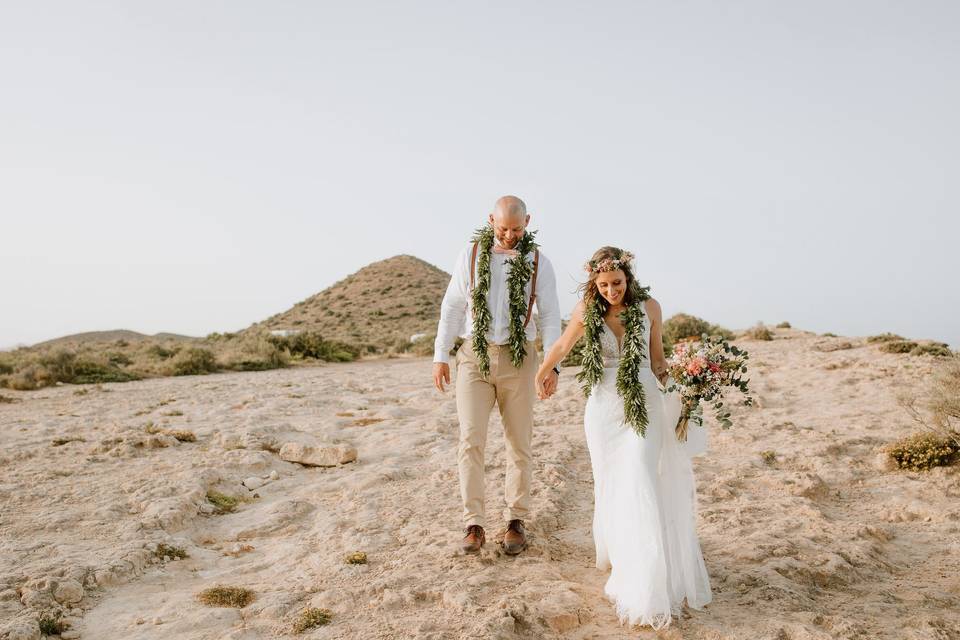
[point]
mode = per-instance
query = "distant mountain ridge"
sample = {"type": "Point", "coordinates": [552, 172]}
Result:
{"type": "Point", "coordinates": [110, 336]}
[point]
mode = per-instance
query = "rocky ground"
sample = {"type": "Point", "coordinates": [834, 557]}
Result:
{"type": "Point", "coordinates": [816, 539]}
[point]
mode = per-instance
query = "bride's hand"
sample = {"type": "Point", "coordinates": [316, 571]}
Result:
{"type": "Point", "coordinates": [541, 386]}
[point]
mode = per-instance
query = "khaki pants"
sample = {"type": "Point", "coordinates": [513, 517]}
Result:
{"type": "Point", "coordinates": [513, 390]}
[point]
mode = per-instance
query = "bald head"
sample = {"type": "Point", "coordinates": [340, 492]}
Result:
{"type": "Point", "coordinates": [511, 206]}
{"type": "Point", "coordinates": [509, 220]}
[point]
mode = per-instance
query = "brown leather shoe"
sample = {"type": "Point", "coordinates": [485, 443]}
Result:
{"type": "Point", "coordinates": [474, 539]}
{"type": "Point", "coordinates": [514, 540]}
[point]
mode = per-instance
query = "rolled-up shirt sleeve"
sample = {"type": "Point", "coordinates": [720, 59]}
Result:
{"type": "Point", "coordinates": [548, 303]}
{"type": "Point", "coordinates": [453, 309]}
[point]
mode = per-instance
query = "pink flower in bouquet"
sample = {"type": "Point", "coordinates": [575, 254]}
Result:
{"type": "Point", "coordinates": [695, 367]}
{"type": "Point", "coordinates": [714, 367]}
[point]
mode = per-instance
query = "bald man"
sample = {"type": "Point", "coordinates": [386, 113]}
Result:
{"type": "Point", "coordinates": [512, 389]}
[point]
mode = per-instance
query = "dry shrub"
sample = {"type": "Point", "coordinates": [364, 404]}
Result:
{"type": "Point", "coordinates": [254, 352]}
{"type": "Point", "coordinates": [884, 337]}
{"type": "Point", "coordinates": [923, 451]}
{"type": "Point", "coordinates": [898, 346]}
{"type": "Point", "coordinates": [769, 457]}
{"type": "Point", "coordinates": [758, 332]}
{"type": "Point", "coordinates": [223, 502]}
{"type": "Point", "coordinates": [683, 325]}
{"type": "Point", "coordinates": [181, 435]}
{"type": "Point", "coordinates": [310, 618]}
{"type": "Point", "coordinates": [311, 345]}
{"type": "Point", "coordinates": [194, 361]}
{"type": "Point", "coordinates": [938, 349]}
{"type": "Point", "coordinates": [220, 596]}
{"type": "Point", "coordinates": [6, 400]}
{"type": "Point", "coordinates": [937, 409]}
{"type": "Point", "coordinates": [165, 550]}
{"type": "Point", "coordinates": [359, 557]}
{"type": "Point", "coordinates": [784, 325]}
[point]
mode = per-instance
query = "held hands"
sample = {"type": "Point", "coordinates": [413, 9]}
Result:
{"type": "Point", "coordinates": [441, 375]}
{"type": "Point", "coordinates": [547, 383]}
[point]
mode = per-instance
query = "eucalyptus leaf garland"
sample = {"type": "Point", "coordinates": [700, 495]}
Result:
{"type": "Point", "coordinates": [632, 357]}
{"type": "Point", "coordinates": [521, 270]}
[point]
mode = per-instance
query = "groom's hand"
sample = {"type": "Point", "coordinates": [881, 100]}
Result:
{"type": "Point", "coordinates": [441, 374]}
{"type": "Point", "coordinates": [547, 384]}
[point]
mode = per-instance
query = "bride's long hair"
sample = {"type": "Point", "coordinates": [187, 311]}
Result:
{"type": "Point", "coordinates": [588, 290]}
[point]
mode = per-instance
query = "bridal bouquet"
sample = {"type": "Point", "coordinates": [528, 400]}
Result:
{"type": "Point", "coordinates": [701, 371]}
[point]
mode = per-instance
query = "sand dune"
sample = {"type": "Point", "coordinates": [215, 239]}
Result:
{"type": "Point", "coordinates": [820, 543]}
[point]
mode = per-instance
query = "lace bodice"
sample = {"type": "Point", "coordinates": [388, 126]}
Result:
{"type": "Point", "coordinates": [610, 348]}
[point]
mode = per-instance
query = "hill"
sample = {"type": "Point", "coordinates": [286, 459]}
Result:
{"type": "Point", "coordinates": [378, 308]}
{"type": "Point", "coordinates": [108, 336]}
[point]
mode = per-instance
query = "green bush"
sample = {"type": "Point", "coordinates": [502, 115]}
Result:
{"type": "Point", "coordinates": [923, 451]}
{"type": "Point", "coordinates": [194, 361]}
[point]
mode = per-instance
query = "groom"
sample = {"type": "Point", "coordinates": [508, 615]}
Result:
{"type": "Point", "coordinates": [497, 279]}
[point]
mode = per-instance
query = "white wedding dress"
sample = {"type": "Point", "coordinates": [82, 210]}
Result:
{"type": "Point", "coordinates": [644, 521]}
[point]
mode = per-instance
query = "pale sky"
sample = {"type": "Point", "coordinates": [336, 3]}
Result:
{"type": "Point", "coordinates": [198, 166]}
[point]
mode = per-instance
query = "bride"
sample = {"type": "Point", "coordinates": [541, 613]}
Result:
{"type": "Point", "coordinates": [644, 524]}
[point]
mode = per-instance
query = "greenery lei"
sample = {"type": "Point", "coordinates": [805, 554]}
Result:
{"type": "Point", "coordinates": [631, 359]}
{"type": "Point", "coordinates": [521, 270]}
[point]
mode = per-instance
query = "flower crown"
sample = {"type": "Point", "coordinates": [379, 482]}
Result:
{"type": "Point", "coordinates": [609, 264]}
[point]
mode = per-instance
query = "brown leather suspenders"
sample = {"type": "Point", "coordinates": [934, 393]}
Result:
{"type": "Point", "coordinates": [533, 279]}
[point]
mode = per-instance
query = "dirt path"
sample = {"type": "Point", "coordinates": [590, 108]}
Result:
{"type": "Point", "coordinates": [818, 543]}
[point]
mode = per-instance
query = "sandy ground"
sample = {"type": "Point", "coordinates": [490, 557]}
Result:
{"type": "Point", "coordinates": [822, 543]}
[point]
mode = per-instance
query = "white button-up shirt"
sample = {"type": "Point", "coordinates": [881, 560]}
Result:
{"type": "Point", "coordinates": [456, 316]}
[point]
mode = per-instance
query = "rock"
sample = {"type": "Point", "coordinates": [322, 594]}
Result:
{"type": "Point", "coordinates": [316, 455]}
{"type": "Point", "coordinates": [23, 630]}
{"type": "Point", "coordinates": [253, 483]}
{"type": "Point", "coordinates": [560, 610]}
{"type": "Point", "coordinates": [68, 592]}
{"type": "Point", "coordinates": [274, 475]}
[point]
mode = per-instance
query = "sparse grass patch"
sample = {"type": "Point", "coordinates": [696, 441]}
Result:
{"type": "Point", "coordinates": [182, 435]}
{"type": "Point", "coordinates": [759, 332]}
{"type": "Point", "coordinates": [345, 414]}
{"type": "Point", "coordinates": [221, 596]}
{"type": "Point", "coordinates": [923, 451]}
{"type": "Point", "coordinates": [310, 618]}
{"type": "Point", "coordinates": [165, 550]}
{"type": "Point", "coordinates": [769, 457]}
{"type": "Point", "coordinates": [173, 413]}
{"type": "Point", "coordinates": [50, 624]}
{"type": "Point", "coordinates": [360, 557]}
{"type": "Point", "coordinates": [363, 422]}
{"type": "Point", "coordinates": [223, 502]}
{"type": "Point", "coordinates": [151, 428]}
{"type": "Point", "coordinates": [59, 442]}
{"type": "Point", "coordinates": [6, 400]}
{"type": "Point", "coordinates": [784, 325]}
